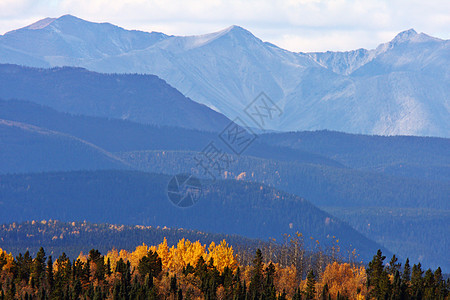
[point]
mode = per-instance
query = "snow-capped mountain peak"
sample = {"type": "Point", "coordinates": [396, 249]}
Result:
{"type": "Point", "coordinates": [404, 36]}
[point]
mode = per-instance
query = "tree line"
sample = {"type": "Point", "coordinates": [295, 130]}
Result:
{"type": "Point", "coordinates": [191, 270]}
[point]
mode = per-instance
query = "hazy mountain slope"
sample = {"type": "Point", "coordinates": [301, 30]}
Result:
{"type": "Point", "coordinates": [229, 207]}
{"type": "Point", "coordinates": [397, 88]}
{"type": "Point", "coordinates": [417, 157]}
{"type": "Point", "coordinates": [27, 148]}
{"type": "Point", "coordinates": [343, 62]}
{"type": "Point", "coordinates": [142, 98]}
{"type": "Point", "coordinates": [70, 41]}
{"type": "Point", "coordinates": [320, 184]}
{"type": "Point", "coordinates": [372, 203]}
{"type": "Point", "coordinates": [420, 234]}
{"type": "Point", "coordinates": [120, 135]}
{"type": "Point", "coordinates": [225, 70]}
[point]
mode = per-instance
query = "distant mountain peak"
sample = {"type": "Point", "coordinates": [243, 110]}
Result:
{"type": "Point", "coordinates": [238, 31]}
{"type": "Point", "coordinates": [40, 24]}
{"type": "Point", "coordinates": [405, 36]}
{"type": "Point", "coordinates": [69, 16]}
{"type": "Point", "coordinates": [234, 31]}
{"type": "Point", "coordinates": [236, 28]}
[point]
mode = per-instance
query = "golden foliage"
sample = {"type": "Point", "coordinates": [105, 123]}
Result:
{"type": "Point", "coordinates": [223, 256]}
{"type": "Point", "coordinates": [163, 253]}
{"type": "Point", "coordinates": [113, 256]}
{"type": "Point", "coordinates": [345, 279]}
{"type": "Point", "coordinates": [185, 253]}
{"type": "Point", "coordinates": [285, 279]}
{"type": "Point", "coordinates": [82, 257]}
{"type": "Point", "coordinates": [137, 255]}
{"type": "Point", "coordinates": [9, 260]}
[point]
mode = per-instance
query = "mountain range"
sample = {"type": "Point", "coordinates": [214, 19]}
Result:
{"type": "Point", "coordinates": [399, 88]}
{"type": "Point", "coordinates": [373, 183]}
{"type": "Point", "coordinates": [95, 118]}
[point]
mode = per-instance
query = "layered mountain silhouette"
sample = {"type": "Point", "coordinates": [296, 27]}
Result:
{"type": "Point", "coordinates": [142, 98]}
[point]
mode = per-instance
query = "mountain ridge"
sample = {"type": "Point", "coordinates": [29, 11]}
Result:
{"type": "Point", "coordinates": [141, 98]}
{"type": "Point", "coordinates": [396, 89]}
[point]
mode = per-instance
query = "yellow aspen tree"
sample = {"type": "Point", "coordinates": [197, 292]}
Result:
{"type": "Point", "coordinates": [345, 280]}
{"type": "Point", "coordinates": [113, 256]}
{"type": "Point", "coordinates": [223, 256]}
{"type": "Point", "coordinates": [9, 260]}
{"type": "Point", "coordinates": [124, 255]}
{"type": "Point", "coordinates": [82, 257]}
{"type": "Point", "coordinates": [138, 254]}
{"type": "Point", "coordinates": [164, 254]}
{"type": "Point", "coordinates": [285, 279]}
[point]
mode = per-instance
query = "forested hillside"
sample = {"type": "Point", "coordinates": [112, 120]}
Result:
{"type": "Point", "coordinates": [228, 206]}
{"type": "Point", "coordinates": [27, 148]}
{"type": "Point", "coordinates": [406, 156]}
{"type": "Point", "coordinates": [371, 202]}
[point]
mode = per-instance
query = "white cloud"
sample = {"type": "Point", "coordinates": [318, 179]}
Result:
{"type": "Point", "coordinates": [299, 25]}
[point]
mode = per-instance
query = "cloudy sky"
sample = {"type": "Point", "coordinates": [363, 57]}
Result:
{"type": "Point", "coordinates": [297, 25]}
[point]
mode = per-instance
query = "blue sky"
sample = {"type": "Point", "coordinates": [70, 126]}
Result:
{"type": "Point", "coordinates": [297, 25]}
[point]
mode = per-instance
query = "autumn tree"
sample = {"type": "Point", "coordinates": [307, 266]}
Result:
{"type": "Point", "coordinates": [347, 280]}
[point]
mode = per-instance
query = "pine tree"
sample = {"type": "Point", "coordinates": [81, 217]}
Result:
{"type": "Point", "coordinates": [406, 275]}
{"type": "Point", "coordinates": [38, 267]}
{"type": "Point", "coordinates": [255, 288]}
{"type": "Point", "coordinates": [96, 258]}
{"type": "Point", "coordinates": [325, 292]}
{"type": "Point", "coordinates": [297, 295]}
{"type": "Point", "coordinates": [269, 291]}
{"type": "Point", "coordinates": [24, 264]}
{"type": "Point", "coordinates": [50, 281]}
{"type": "Point", "coordinates": [310, 291]}
{"type": "Point", "coordinates": [396, 287]}
{"type": "Point", "coordinates": [393, 265]}
{"type": "Point", "coordinates": [429, 285]}
{"type": "Point", "coordinates": [150, 264]}
{"type": "Point", "coordinates": [239, 290]}
{"type": "Point", "coordinates": [441, 291]}
{"type": "Point", "coordinates": [377, 277]}
{"type": "Point", "coordinates": [417, 281]}
{"type": "Point", "coordinates": [108, 267]}
{"type": "Point", "coordinates": [173, 284]}
{"type": "Point", "coordinates": [405, 280]}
